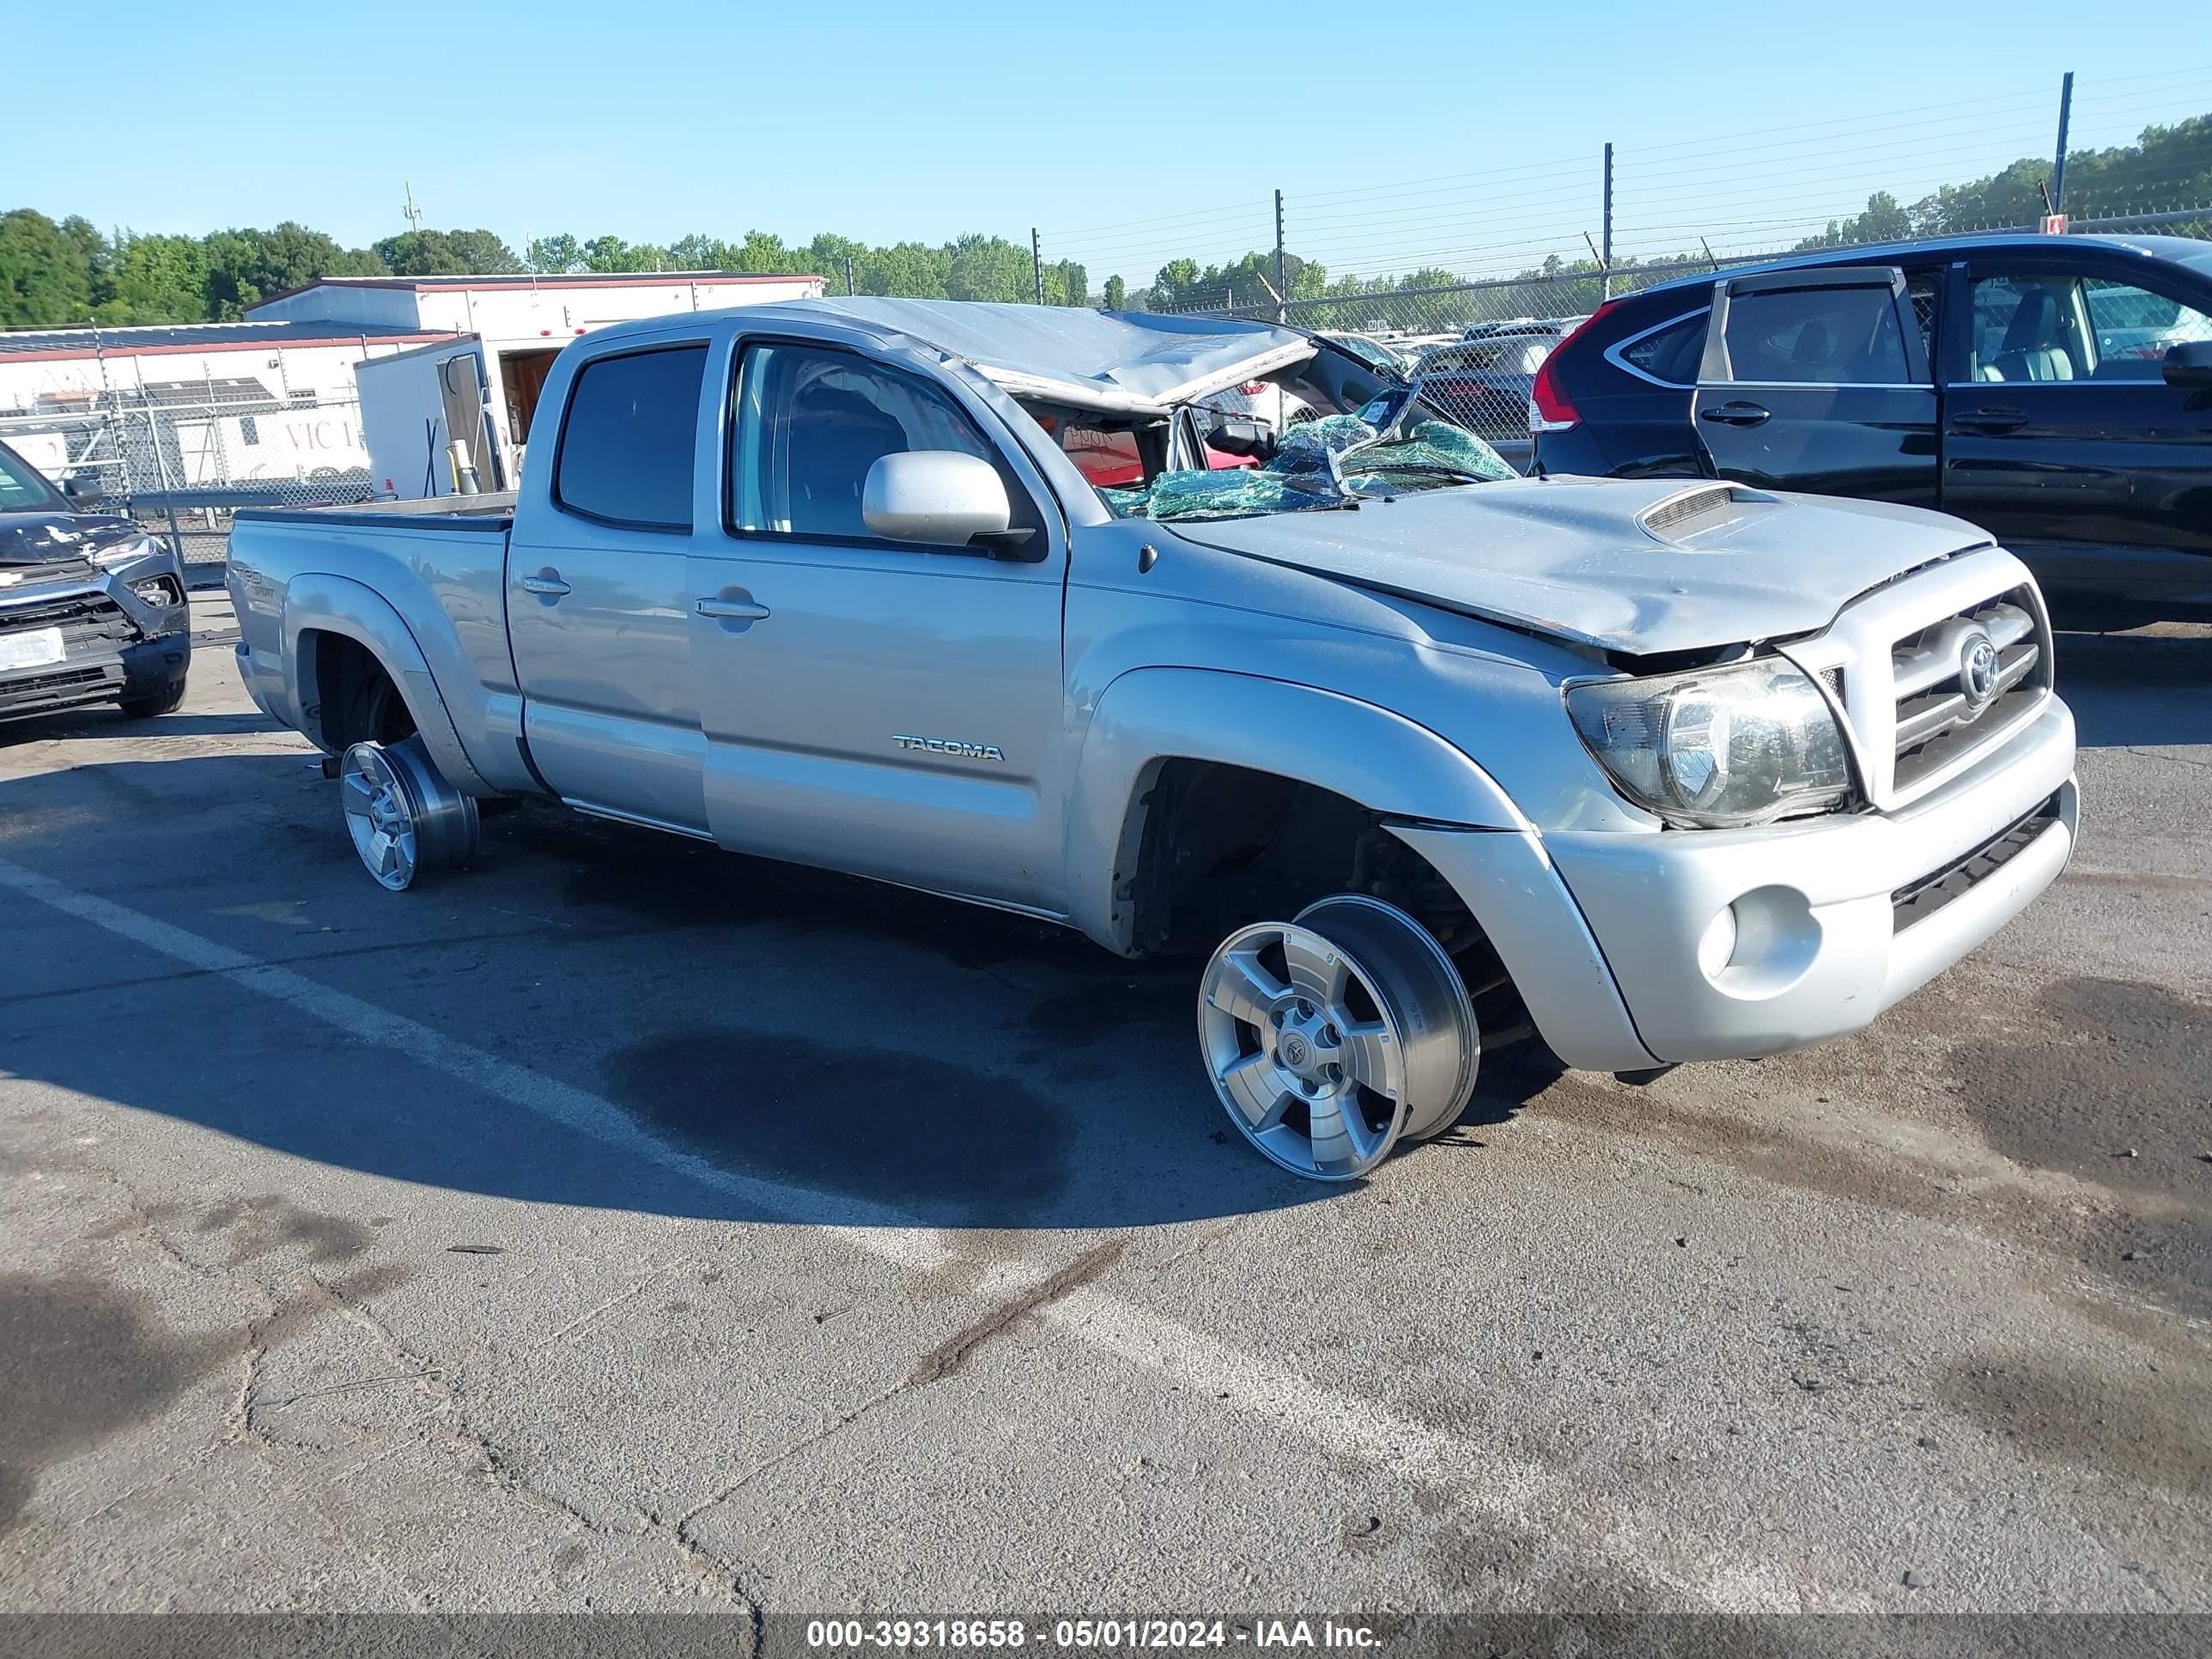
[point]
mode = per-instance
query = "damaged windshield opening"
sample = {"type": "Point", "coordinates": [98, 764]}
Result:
{"type": "Point", "coordinates": [1296, 458]}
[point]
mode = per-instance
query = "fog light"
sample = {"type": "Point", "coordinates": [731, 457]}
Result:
{"type": "Point", "coordinates": [1718, 944]}
{"type": "Point", "coordinates": [155, 590]}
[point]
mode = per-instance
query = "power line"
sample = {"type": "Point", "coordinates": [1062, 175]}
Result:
{"type": "Point", "coordinates": [1878, 117]}
{"type": "Point", "coordinates": [1446, 177]}
{"type": "Point", "coordinates": [1138, 224]}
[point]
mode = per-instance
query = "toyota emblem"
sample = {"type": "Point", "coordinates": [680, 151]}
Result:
{"type": "Point", "coordinates": [1978, 670]}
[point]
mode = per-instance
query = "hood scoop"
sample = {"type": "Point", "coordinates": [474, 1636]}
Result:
{"type": "Point", "coordinates": [1680, 519]}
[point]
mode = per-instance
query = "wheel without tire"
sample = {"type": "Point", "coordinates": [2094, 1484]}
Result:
{"type": "Point", "coordinates": [403, 816]}
{"type": "Point", "coordinates": [1328, 1037]}
{"type": "Point", "coordinates": [1442, 1038]}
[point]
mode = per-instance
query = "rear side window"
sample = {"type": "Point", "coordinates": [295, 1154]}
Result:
{"type": "Point", "coordinates": [1816, 336]}
{"type": "Point", "coordinates": [628, 438]}
{"type": "Point", "coordinates": [1670, 353]}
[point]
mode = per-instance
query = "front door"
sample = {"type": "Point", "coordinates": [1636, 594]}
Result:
{"type": "Point", "coordinates": [2062, 437]}
{"type": "Point", "coordinates": [597, 594]}
{"type": "Point", "coordinates": [881, 707]}
{"type": "Point", "coordinates": [1818, 381]}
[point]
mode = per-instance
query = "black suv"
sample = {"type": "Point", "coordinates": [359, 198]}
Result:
{"type": "Point", "coordinates": [91, 608]}
{"type": "Point", "coordinates": [2055, 390]}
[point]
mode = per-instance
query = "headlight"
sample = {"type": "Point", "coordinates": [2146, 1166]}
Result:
{"type": "Point", "coordinates": [156, 590]}
{"type": "Point", "coordinates": [138, 547]}
{"type": "Point", "coordinates": [1717, 747]}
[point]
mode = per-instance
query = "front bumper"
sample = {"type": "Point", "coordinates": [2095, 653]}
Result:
{"type": "Point", "coordinates": [1827, 936]}
{"type": "Point", "coordinates": [115, 646]}
{"type": "Point", "coordinates": [1835, 919]}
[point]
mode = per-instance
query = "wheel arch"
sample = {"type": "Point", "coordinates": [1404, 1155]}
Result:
{"type": "Point", "coordinates": [1151, 719]}
{"type": "Point", "coordinates": [320, 607]}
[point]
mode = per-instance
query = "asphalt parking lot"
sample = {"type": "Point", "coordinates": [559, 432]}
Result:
{"type": "Point", "coordinates": [623, 1224]}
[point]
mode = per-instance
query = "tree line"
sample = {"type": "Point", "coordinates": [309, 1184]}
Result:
{"type": "Point", "coordinates": [68, 272]}
{"type": "Point", "coordinates": [59, 273]}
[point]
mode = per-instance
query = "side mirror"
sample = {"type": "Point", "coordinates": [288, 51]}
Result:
{"type": "Point", "coordinates": [82, 490]}
{"type": "Point", "coordinates": [2189, 363]}
{"type": "Point", "coordinates": [938, 495]}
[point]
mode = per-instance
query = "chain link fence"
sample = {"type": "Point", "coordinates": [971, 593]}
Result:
{"type": "Point", "coordinates": [181, 460]}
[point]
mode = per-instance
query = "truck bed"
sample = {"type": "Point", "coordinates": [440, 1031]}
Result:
{"type": "Point", "coordinates": [492, 512]}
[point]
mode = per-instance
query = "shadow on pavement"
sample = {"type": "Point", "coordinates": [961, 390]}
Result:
{"type": "Point", "coordinates": [2136, 689]}
{"type": "Point", "coordinates": [1063, 1091]}
{"type": "Point", "coordinates": [107, 720]}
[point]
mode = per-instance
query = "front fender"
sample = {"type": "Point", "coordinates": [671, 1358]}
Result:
{"type": "Point", "coordinates": [321, 603]}
{"type": "Point", "coordinates": [1383, 761]}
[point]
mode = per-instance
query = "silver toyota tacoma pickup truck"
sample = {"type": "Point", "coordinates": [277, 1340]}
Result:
{"type": "Point", "coordinates": [1416, 757]}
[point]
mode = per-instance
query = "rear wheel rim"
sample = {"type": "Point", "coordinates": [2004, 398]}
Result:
{"type": "Point", "coordinates": [381, 816]}
{"type": "Point", "coordinates": [1304, 1052]}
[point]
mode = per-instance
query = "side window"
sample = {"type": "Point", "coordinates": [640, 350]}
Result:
{"type": "Point", "coordinates": [1816, 336]}
{"type": "Point", "coordinates": [2133, 328]}
{"type": "Point", "coordinates": [1670, 353]}
{"type": "Point", "coordinates": [628, 438]}
{"type": "Point", "coordinates": [2030, 328]}
{"type": "Point", "coordinates": [811, 422]}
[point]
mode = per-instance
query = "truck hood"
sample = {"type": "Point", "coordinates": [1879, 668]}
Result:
{"type": "Point", "coordinates": [1639, 566]}
{"type": "Point", "coordinates": [43, 538]}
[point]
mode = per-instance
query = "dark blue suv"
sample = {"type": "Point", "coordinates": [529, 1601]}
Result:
{"type": "Point", "coordinates": [2055, 390]}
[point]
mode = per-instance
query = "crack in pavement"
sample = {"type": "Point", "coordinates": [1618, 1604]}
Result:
{"type": "Point", "coordinates": [2161, 754]}
{"type": "Point", "coordinates": [485, 1459]}
{"type": "Point", "coordinates": [946, 1360]}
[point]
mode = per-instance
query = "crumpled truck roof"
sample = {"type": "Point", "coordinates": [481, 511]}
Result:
{"type": "Point", "coordinates": [1127, 362]}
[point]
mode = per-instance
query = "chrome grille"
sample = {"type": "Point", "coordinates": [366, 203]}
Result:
{"type": "Point", "coordinates": [1938, 720]}
{"type": "Point", "coordinates": [92, 624]}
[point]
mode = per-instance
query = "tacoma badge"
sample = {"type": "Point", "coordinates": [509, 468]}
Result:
{"type": "Point", "coordinates": [953, 746]}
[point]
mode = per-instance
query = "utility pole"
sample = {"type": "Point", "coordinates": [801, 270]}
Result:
{"type": "Point", "coordinates": [1282, 283]}
{"type": "Point", "coordinates": [849, 290]}
{"type": "Point", "coordinates": [413, 211]}
{"type": "Point", "coordinates": [1036, 262]}
{"type": "Point", "coordinates": [2059, 168]}
{"type": "Point", "coordinates": [1605, 258]}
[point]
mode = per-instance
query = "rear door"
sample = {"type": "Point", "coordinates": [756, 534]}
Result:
{"type": "Point", "coordinates": [1818, 380]}
{"type": "Point", "coordinates": [2061, 437]}
{"type": "Point", "coordinates": [597, 594]}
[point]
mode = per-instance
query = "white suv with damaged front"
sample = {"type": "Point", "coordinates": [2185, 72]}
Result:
{"type": "Point", "coordinates": [1410, 757]}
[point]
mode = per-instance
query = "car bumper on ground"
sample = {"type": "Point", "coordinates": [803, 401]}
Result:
{"type": "Point", "coordinates": [1723, 945]}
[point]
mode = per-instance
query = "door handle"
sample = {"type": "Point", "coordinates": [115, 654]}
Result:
{"type": "Point", "coordinates": [731, 610]}
{"type": "Point", "coordinates": [546, 584]}
{"type": "Point", "coordinates": [1991, 417]}
{"type": "Point", "coordinates": [1736, 414]}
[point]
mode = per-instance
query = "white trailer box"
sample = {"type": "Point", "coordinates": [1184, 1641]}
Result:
{"type": "Point", "coordinates": [416, 404]}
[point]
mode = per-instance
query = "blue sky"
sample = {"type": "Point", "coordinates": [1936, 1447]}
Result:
{"type": "Point", "coordinates": [1399, 132]}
